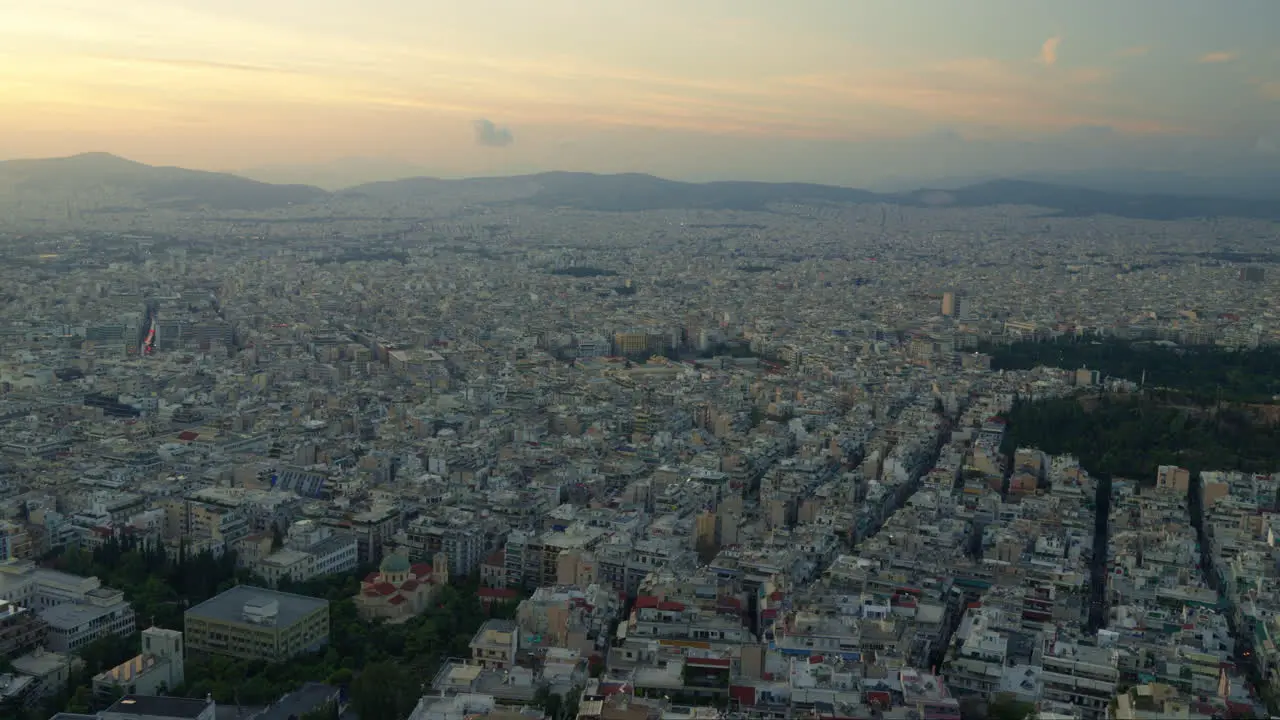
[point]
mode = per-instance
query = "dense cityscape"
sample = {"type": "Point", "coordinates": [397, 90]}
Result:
{"type": "Point", "coordinates": [444, 452]}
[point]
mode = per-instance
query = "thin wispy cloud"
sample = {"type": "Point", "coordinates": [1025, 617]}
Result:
{"type": "Point", "coordinates": [1049, 50]}
{"type": "Point", "coordinates": [1269, 90]}
{"type": "Point", "coordinates": [1217, 57]}
{"type": "Point", "coordinates": [191, 64]}
{"type": "Point", "coordinates": [1135, 51]}
{"type": "Point", "coordinates": [979, 91]}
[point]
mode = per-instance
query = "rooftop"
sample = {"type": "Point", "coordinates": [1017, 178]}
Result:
{"type": "Point", "coordinates": [154, 706]}
{"type": "Point", "coordinates": [230, 605]}
{"type": "Point", "coordinates": [70, 615]}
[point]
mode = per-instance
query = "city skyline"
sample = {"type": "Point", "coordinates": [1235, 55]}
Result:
{"type": "Point", "coordinates": [823, 91]}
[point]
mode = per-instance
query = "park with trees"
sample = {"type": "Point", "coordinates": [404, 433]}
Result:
{"type": "Point", "coordinates": [383, 668]}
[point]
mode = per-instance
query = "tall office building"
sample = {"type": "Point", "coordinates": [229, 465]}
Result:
{"type": "Point", "coordinates": [955, 305]}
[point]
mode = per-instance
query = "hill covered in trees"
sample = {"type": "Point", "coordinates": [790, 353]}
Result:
{"type": "Point", "coordinates": [1131, 435]}
{"type": "Point", "coordinates": [1204, 371]}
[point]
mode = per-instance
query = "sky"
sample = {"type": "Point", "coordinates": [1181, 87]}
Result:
{"type": "Point", "coordinates": [853, 92]}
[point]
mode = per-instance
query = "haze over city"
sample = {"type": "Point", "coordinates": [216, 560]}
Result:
{"type": "Point", "coordinates": [854, 93]}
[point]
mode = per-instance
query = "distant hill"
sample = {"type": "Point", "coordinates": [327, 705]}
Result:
{"type": "Point", "coordinates": [100, 181]}
{"type": "Point", "coordinates": [629, 192]}
{"type": "Point", "coordinates": [101, 178]}
{"type": "Point", "coordinates": [638, 192]}
{"type": "Point", "coordinates": [1258, 185]}
{"type": "Point", "coordinates": [1078, 202]}
{"type": "Point", "coordinates": [334, 174]}
{"type": "Point", "coordinates": [645, 192]}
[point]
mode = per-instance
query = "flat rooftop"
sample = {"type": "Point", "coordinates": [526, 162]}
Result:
{"type": "Point", "coordinates": [155, 706]}
{"type": "Point", "coordinates": [69, 616]}
{"type": "Point", "coordinates": [229, 606]}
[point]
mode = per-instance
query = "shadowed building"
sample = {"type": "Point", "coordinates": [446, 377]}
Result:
{"type": "Point", "coordinates": [258, 624]}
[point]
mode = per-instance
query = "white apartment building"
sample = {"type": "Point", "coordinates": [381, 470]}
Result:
{"type": "Point", "coordinates": [310, 550]}
{"type": "Point", "coordinates": [23, 583]}
{"type": "Point", "coordinates": [74, 625]}
{"type": "Point", "coordinates": [1081, 675]}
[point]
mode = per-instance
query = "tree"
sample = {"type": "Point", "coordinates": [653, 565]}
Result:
{"type": "Point", "coordinates": [572, 703]}
{"type": "Point", "coordinates": [81, 701]}
{"type": "Point", "coordinates": [1004, 707]}
{"type": "Point", "coordinates": [551, 703]}
{"type": "Point", "coordinates": [384, 690]}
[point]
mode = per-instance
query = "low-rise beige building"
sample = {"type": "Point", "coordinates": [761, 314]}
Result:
{"type": "Point", "coordinates": [258, 624]}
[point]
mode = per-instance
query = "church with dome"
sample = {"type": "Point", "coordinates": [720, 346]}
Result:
{"type": "Point", "coordinates": [399, 589]}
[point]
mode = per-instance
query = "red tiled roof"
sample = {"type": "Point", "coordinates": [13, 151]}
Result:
{"type": "Point", "coordinates": [371, 577]}
{"type": "Point", "coordinates": [409, 585]}
{"type": "Point", "coordinates": [608, 688]}
{"type": "Point", "coordinates": [384, 588]}
{"type": "Point", "coordinates": [188, 436]}
{"type": "Point", "coordinates": [397, 600]}
{"type": "Point", "coordinates": [421, 570]}
{"type": "Point", "coordinates": [646, 601]}
{"type": "Point", "coordinates": [671, 605]}
{"type": "Point", "coordinates": [370, 592]}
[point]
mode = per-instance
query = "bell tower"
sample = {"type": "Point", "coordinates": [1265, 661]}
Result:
{"type": "Point", "coordinates": [440, 569]}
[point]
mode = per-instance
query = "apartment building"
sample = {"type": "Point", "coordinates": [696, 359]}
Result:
{"type": "Point", "coordinates": [37, 588]}
{"type": "Point", "coordinates": [20, 629]}
{"type": "Point", "coordinates": [464, 546]}
{"type": "Point", "coordinates": [495, 644]}
{"type": "Point", "coordinates": [1081, 675]}
{"type": "Point", "coordinates": [310, 550]}
{"type": "Point", "coordinates": [73, 625]}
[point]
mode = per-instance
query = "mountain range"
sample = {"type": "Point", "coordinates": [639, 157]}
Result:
{"type": "Point", "coordinates": [101, 179]}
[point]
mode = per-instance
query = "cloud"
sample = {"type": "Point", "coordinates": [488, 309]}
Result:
{"type": "Point", "coordinates": [187, 64]}
{"type": "Point", "coordinates": [1135, 51]}
{"type": "Point", "coordinates": [1217, 57]}
{"type": "Point", "coordinates": [1270, 90]}
{"type": "Point", "coordinates": [974, 92]}
{"type": "Point", "coordinates": [1091, 132]}
{"type": "Point", "coordinates": [1049, 50]}
{"type": "Point", "coordinates": [490, 135]}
